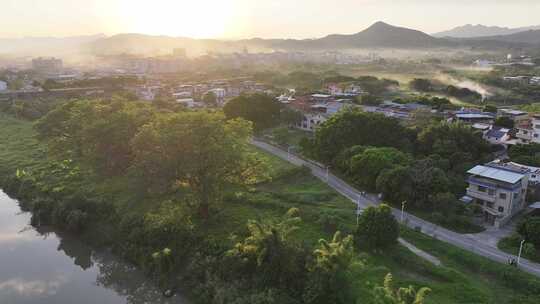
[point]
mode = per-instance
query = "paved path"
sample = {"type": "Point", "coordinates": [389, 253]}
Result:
{"type": "Point", "coordinates": [464, 241]}
{"type": "Point", "coordinates": [420, 252]}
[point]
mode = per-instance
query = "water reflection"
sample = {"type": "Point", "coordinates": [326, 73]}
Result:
{"type": "Point", "coordinates": [42, 266]}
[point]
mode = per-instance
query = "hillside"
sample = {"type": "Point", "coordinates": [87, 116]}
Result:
{"type": "Point", "coordinates": [479, 30]}
{"type": "Point", "coordinates": [531, 37]}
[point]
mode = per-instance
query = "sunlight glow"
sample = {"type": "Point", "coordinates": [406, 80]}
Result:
{"type": "Point", "coordinates": [190, 18]}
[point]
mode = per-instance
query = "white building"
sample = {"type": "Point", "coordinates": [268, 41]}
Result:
{"type": "Point", "coordinates": [500, 192]}
{"type": "Point", "coordinates": [528, 130]}
{"type": "Point", "coordinates": [311, 121]}
{"type": "Point", "coordinates": [3, 86]}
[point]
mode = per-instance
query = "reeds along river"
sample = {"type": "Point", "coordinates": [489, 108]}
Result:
{"type": "Point", "coordinates": [41, 266]}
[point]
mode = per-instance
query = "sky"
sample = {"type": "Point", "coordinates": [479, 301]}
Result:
{"type": "Point", "coordinates": [232, 19]}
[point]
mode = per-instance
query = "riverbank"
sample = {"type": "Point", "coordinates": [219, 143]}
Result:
{"type": "Point", "coordinates": [117, 216]}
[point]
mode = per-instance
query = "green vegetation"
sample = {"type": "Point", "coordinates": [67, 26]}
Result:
{"type": "Point", "coordinates": [165, 237]}
{"type": "Point", "coordinates": [424, 166]}
{"type": "Point", "coordinates": [260, 109]}
{"type": "Point", "coordinates": [526, 154]}
{"type": "Point", "coordinates": [377, 228]}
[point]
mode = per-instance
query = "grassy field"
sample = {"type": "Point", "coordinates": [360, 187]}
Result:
{"type": "Point", "coordinates": [464, 278]}
{"type": "Point", "coordinates": [511, 245]}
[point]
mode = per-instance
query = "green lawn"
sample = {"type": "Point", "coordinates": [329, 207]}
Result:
{"type": "Point", "coordinates": [464, 278]}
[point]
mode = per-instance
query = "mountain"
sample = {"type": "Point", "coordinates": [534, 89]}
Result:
{"type": "Point", "coordinates": [379, 35]}
{"type": "Point", "coordinates": [384, 35]}
{"type": "Point", "coordinates": [472, 31]}
{"type": "Point", "coordinates": [46, 46]}
{"type": "Point", "coordinates": [530, 37]}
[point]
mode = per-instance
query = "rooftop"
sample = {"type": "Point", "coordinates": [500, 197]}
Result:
{"type": "Point", "coordinates": [496, 174]}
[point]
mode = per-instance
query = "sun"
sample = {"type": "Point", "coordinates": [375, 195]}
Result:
{"type": "Point", "coordinates": [189, 18]}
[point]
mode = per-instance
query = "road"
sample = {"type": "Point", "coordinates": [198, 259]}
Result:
{"type": "Point", "coordinates": [464, 241]}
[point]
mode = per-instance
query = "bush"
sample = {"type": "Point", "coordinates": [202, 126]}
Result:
{"type": "Point", "coordinates": [377, 228]}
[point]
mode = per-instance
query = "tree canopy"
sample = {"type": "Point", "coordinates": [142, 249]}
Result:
{"type": "Point", "coordinates": [354, 127]}
{"type": "Point", "coordinates": [261, 109]}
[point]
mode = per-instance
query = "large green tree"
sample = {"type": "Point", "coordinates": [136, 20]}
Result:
{"type": "Point", "coordinates": [261, 109]}
{"type": "Point", "coordinates": [458, 143]}
{"type": "Point", "coordinates": [366, 166]}
{"type": "Point", "coordinates": [197, 152]}
{"type": "Point", "coordinates": [377, 228]}
{"type": "Point", "coordinates": [96, 132]}
{"type": "Point", "coordinates": [354, 127]}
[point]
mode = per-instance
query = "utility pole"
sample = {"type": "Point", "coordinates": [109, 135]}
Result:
{"type": "Point", "coordinates": [289, 153]}
{"type": "Point", "coordinates": [327, 173]}
{"type": "Point", "coordinates": [402, 210]}
{"type": "Point", "coordinates": [358, 210]}
{"type": "Point", "coordinates": [520, 250]}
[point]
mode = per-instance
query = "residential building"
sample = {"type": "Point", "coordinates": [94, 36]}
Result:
{"type": "Point", "coordinates": [47, 65]}
{"type": "Point", "coordinates": [497, 136]}
{"type": "Point", "coordinates": [311, 121]}
{"type": "Point", "coordinates": [528, 130]}
{"type": "Point", "coordinates": [498, 191]}
{"type": "Point", "coordinates": [533, 173]}
{"type": "Point", "coordinates": [469, 117]}
{"type": "Point", "coordinates": [515, 115]}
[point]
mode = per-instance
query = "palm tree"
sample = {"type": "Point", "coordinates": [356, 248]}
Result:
{"type": "Point", "coordinates": [387, 295]}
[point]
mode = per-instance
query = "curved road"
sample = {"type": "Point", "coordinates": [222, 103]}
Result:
{"type": "Point", "coordinates": [460, 240]}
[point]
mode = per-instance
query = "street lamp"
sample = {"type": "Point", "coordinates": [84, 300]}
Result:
{"type": "Point", "coordinates": [402, 209]}
{"type": "Point", "coordinates": [327, 173]}
{"type": "Point", "coordinates": [358, 209]}
{"type": "Point", "coordinates": [520, 250]}
{"type": "Point", "coordinates": [289, 153]}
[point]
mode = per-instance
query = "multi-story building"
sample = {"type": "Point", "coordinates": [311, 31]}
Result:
{"type": "Point", "coordinates": [47, 65]}
{"type": "Point", "coordinates": [528, 130]}
{"type": "Point", "coordinates": [499, 191]}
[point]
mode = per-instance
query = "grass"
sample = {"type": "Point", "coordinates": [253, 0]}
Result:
{"type": "Point", "coordinates": [511, 245]}
{"type": "Point", "coordinates": [464, 278]}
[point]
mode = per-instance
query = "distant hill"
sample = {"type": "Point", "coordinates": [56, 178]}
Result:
{"type": "Point", "coordinates": [472, 31]}
{"type": "Point", "coordinates": [46, 46]}
{"type": "Point", "coordinates": [379, 35]}
{"type": "Point", "coordinates": [531, 37]}
{"type": "Point", "coordinates": [384, 35]}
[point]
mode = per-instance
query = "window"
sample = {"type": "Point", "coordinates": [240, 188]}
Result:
{"type": "Point", "coordinates": [516, 195]}
{"type": "Point", "coordinates": [490, 204]}
{"type": "Point", "coordinates": [537, 126]}
{"type": "Point", "coordinates": [502, 196]}
{"type": "Point", "coordinates": [491, 192]}
{"type": "Point", "coordinates": [536, 135]}
{"type": "Point", "coordinates": [501, 209]}
{"type": "Point", "coordinates": [533, 176]}
{"type": "Point", "coordinates": [482, 189]}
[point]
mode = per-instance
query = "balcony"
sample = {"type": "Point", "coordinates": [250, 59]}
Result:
{"type": "Point", "coordinates": [481, 195]}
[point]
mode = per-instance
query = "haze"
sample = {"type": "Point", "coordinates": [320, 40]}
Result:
{"type": "Point", "coordinates": [244, 18]}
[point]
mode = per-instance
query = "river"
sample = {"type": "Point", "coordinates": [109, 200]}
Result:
{"type": "Point", "coordinates": [40, 266]}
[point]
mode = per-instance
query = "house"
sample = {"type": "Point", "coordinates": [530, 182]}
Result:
{"type": "Point", "coordinates": [497, 136]}
{"type": "Point", "coordinates": [468, 117]}
{"type": "Point", "coordinates": [528, 130]}
{"type": "Point", "coordinates": [500, 192]}
{"type": "Point", "coordinates": [514, 115]}
{"type": "Point", "coordinates": [189, 103]}
{"type": "Point", "coordinates": [533, 173]}
{"type": "Point", "coordinates": [311, 121]}
{"type": "Point", "coordinates": [334, 89]}
{"type": "Point", "coordinates": [321, 98]}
